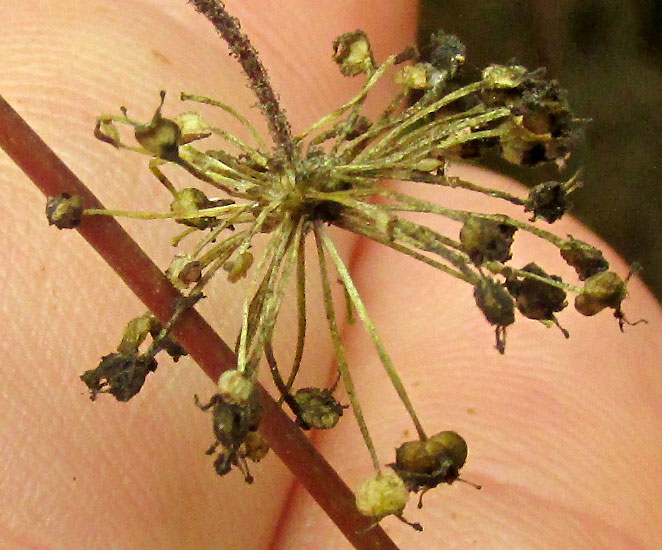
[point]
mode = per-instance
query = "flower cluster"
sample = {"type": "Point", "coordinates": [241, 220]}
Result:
{"type": "Point", "coordinates": [330, 175]}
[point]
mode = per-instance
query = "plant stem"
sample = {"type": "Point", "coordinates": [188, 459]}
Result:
{"type": "Point", "coordinates": [230, 30]}
{"type": "Point", "coordinates": [207, 349]}
{"type": "Point", "coordinates": [362, 312]}
{"type": "Point", "coordinates": [341, 357]}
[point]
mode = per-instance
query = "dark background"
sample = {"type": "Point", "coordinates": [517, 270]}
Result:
{"type": "Point", "coordinates": [608, 55]}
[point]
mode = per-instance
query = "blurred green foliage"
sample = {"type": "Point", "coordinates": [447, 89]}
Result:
{"type": "Point", "coordinates": [608, 55]}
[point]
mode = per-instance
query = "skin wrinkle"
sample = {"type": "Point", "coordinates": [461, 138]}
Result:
{"type": "Point", "coordinates": [163, 436]}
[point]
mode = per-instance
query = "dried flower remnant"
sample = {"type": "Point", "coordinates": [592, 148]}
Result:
{"type": "Point", "coordinates": [236, 414]}
{"type": "Point", "coordinates": [584, 258]}
{"type": "Point", "coordinates": [384, 495]}
{"type": "Point", "coordinates": [535, 298]}
{"type": "Point", "coordinates": [497, 305]}
{"type": "Point", "coordinates": [352, 52]}
{"type": "Point", "coordinates": [317, 408]}
{"type": "Point", "coordinates": [487, 240]}
{"type": "Point", "coordinates": [64, 211]}
{"type": "Point", "coordinates": [549, 200]}
{"type": "Point", "coordinates": [330, 175]}
{"type": "Point", "coordinates": [122, 374]}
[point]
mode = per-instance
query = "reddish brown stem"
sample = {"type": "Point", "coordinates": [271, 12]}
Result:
{"type": "Point", "coordinates": [145, 279]}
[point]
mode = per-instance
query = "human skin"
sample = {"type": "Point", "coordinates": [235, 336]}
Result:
{"type": "Point", "coordinates": [563, 435]}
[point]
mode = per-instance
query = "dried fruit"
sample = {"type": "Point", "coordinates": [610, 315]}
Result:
{"type": "Point", "coordinates": [233, 425]}
{"type": "Point", "coordinates": [447, 53]}
{"type": "Point", "coordinates": [535, 298]}
{"type": "Point", "coordinates": [238, 268]}
{"type": "Point", "coordinates": [187, 203]}
{"type": "Point", "coordinates": [485, 240]}
{"type": "Point", "coordinates": [317, 408]}
{"type": "Point", "coordinates": [120, 375]}
{"type": "Point", "coordinates": [332, 174]}
{"type": "Point", "coordinates": [382, 496]}
{"type": "Point", "coordinates": [498, 307]}
{"type": "Point", "coordinates": [548, 200]}
{"type": "Point", "coordinates": [424, 464]}
{"type": "Point", "coordinates": [160, 136]}
{"type": "Point", "coordinates": [602, 290]}
{"type": "Point", "coordinates": [64, 211]}
{"type": "Point", "coordinates": [353, 53]}
{"type": "Point", "coordinates": [584, 258]}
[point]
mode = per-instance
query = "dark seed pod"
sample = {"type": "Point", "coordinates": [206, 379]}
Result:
{"type": "Point", "coordinates": [543, 128]}
{"type": "Point", "coordinates": [254, 447]}
{"type": "Point", "coordinates": [353, 54]}
{"type": "Point", "coordinates": [447, 53]}
{"type": "Point", "coordinates": [233, 422]}
{"type": "Point", "coordinates": [485, 240]}
{"type": "Point", "coordinates": [120, 375]}
{"type": "Point", "coordinates": [318, 409]}
{"type": "Point", "coordinates": [160, 136]}
{"type": "Point", "coordinates": [604, 289]}
{"type": "Point", "coordinates": [234, 426]}
{"type": "Point", "coordinates": [536, 299]}
{"type": "Point", "coordinates": [64, 211]}
{"type": "Point", "coordinates": [495, 302]}
{"type": "Point", "coordinates": [497, 306]}
{"type": "Point", "coordinates": [586, 259]}
{"type": "Point", "coordinates": [426, 464]}
{"type": "Point", "coordinates": [548, 200]}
